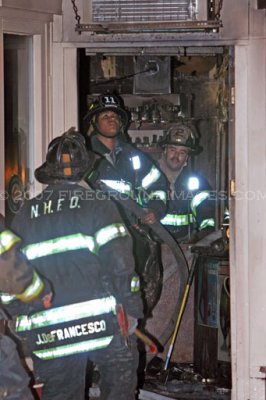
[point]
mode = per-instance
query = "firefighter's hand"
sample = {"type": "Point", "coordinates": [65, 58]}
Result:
{"type": "Point", "coordinates": [45, 297]}
{"type": "Point", "coordinates": [149, 218]}
{"type": "Point", "coordinates": [47, 300]}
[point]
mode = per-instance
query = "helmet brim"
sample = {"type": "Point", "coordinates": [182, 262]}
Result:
{"type": "Point", "coordinates": [165, 142]}
{"type": "Point", "coordinates": [47, 175]}
{"type": "Point", "coordinates": [124, 114]}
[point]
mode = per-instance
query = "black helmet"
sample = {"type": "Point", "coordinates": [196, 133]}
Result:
{"type": "Point", "coordinates": [180, 135]}
{"type": "Point", "coordinates": [66, 159]}
{"type": "Point", "coordinates": [107, 102]}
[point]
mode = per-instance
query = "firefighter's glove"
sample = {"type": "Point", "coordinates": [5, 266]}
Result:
{"type": "Point", "coordinates": [132, 324]}
{"type": "Point", "coordinates": [149, 218]}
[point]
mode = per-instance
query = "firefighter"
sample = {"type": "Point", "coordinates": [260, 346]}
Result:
{"type": "Point", "coordinates": [79, 242]}
{"type": "Point", "coordinates": [126, 171]}
{"type": "Point", "coordinates": [20, 281]}
{"type": "Point", "coordinates": [191, 208]}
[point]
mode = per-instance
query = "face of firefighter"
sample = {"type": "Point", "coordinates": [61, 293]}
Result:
{"type": "Point", "coordinates": [108, 123]}
{"type": "Point", "coordinates": [176, 157]}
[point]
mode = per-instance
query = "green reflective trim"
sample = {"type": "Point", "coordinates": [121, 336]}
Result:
{"type": "Point", "coordinates": [110, 232]}
{"type": "Point", "coordinates": [135, 284]}
{"type": "Point", "coordinates": [119, 186]}
{"type": "Point", "coordinates": [59, 245]}
{"type": "Point", "coordinates": [158, 195]}
{"type": "Point", "coordinates": [136, 162]}
{"type": "Point", "coordinates": [177, 220]}
{"type": "Point", "coordinates": [82, 347]}
{"type": "Point", "coordinates": [206, 223]}
{"type": "Point", "coordinates": [151, 177]}
{"type": "Point", "coordinates": [198, 199]}
{"type": "Point", "coordinates": [226, 215]}
{"type": "Point", "coordinates": [139, 199]}
{"type": "Point", "coordinates": [7, 298]}
{"type": "Point", "coordinates": [29, 294]}
{"type": "Point", "coordinates": [33, 290]}
{"type": "Point", "coordinates": [75, 242]}
{"type": "Point", "coordinates": [7, 240]}
{"type": "Point", "coordinates": [67, 313]}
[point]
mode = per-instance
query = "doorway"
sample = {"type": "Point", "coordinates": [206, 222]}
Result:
{"type": "Point", "coordinates": [192, 84]}
{"type": "Point", "coordinates": [17, 117]}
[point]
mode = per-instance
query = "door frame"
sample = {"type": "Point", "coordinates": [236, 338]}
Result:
{"type": "Point", "coordinates": [39, 27]}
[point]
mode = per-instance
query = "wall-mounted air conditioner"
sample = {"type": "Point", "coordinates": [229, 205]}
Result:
{"type": "Point", "coordinates": [108, 16]}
